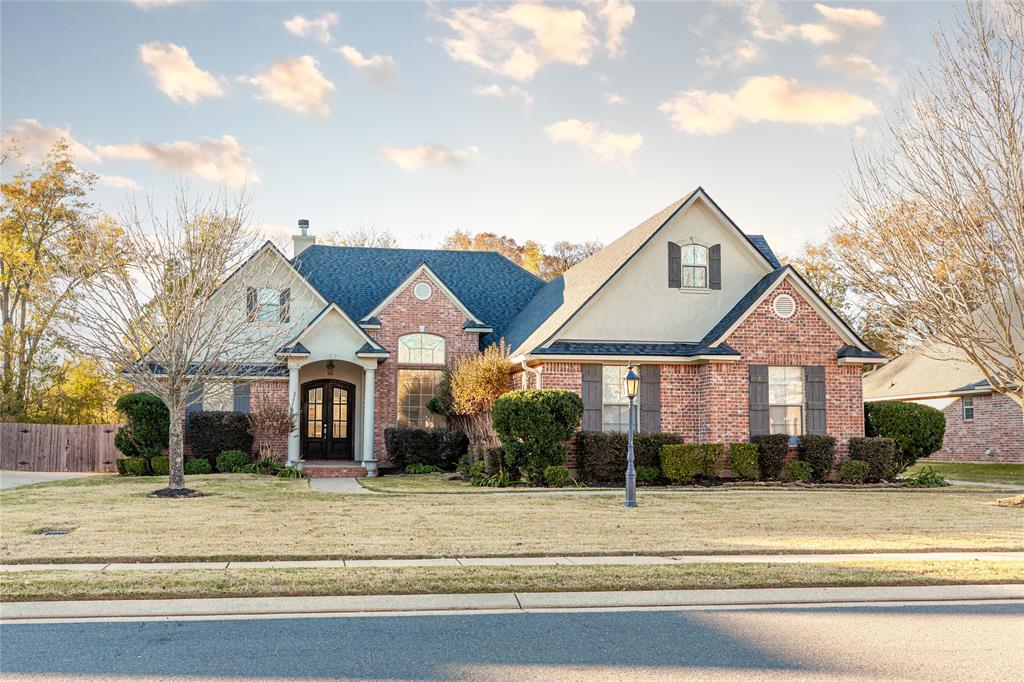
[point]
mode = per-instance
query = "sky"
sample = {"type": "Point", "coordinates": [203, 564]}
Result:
{"type": "Point", "coordinates": [569, 121]}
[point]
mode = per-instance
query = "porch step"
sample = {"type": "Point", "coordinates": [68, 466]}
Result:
{"type": "Point", "coordinates": [333, 469]}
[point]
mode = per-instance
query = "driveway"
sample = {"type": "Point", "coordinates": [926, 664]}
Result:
{"type": "Point", "coordinates": [16, 479]}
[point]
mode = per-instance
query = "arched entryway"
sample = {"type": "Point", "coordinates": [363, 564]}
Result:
{"type": "Point", "coordinates": [327, 420]}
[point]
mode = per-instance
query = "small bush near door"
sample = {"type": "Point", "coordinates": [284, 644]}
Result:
{"type": "Point", "coordinates": [601, 457]}
{"type": "Point", "coordinates": [771, 454]}
{"type": "Point", "coordinates": [195, 466]}
{"type": "Point", "coordinates": [685, 463]}
{"type": "Point", "coordinates": [853, 471]}
{"type": "Point", "coordinates": [797, 470]}
{"type": "Point", "coordinates": [442, 448]}
{"type": "Point", "coordinates": [231, 461]}
{"type": "Point", "coordinates": [878, 453]}
{"type": "Point", "coordinates": [211, 433]}
{"type": "Point", "coordinates": [743, 461]}
{"type": "Point", "coordinates": [819, 452]}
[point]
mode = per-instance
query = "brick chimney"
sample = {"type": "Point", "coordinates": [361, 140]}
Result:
{"type": "Point", "coordinates": [303, 240]}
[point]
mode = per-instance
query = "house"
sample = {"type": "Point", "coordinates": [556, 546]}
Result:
{"type": "Point", "coordinates": [981, 425]}
{"type": "Point", "coordinates": [729, 343]}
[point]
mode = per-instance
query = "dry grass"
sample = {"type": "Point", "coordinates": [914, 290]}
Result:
{"type": "Point", "coordinates": [248, 517]}
{"type": "Point", "coordinates": [995, 472]}
{"type": "Point", "coordinates": [59, 585]}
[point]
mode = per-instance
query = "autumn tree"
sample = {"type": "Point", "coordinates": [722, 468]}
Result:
{"type": "Point", "coordinates": [45, 224]}
{"type": "Point", "coordinates": [530, 255]}
{"type": "Point", "coordinates": [367, 236]}
{"type": "Point", "coordinates": [935, 228]}
{"type": "Point", "coordinates": [565, 254]}
{"type": "Point", "coordinates": [82, 392]}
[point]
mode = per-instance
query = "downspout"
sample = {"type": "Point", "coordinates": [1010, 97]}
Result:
{"type": "Point", "coordinates": [535, 372]}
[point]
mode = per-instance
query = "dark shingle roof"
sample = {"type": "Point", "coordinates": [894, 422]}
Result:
{"type": "Point", "coordinates": [743, 305]}
{"type": "Point", "coordinates": [854, 352]}
{"type": "Point", "coordinates": [633, 349]}
{"type": "Point", "coordinates": [761, 244]}
{"type": "Point", "coordinates": [357, 279]}
{"type": "Point", "coordinates": [293, 348]}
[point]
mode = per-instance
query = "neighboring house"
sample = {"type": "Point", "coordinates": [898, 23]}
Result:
{"type": "Point", "coordinates": [728, 342]}
{"type": "Point", "coordinates": [981, 425]}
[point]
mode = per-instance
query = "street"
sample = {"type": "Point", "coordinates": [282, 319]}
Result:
{"type": "Point", "coordinates": [948, 641]}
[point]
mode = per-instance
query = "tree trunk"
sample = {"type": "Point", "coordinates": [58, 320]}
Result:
{"type": "Point", "coordinates": [176, 450]}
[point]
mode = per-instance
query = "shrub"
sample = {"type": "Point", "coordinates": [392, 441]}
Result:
{"type": "Point", "coordinates": [819, 452]}
{"type": "Point", "coordinates": [927, 478]}
{"type": "Point", "coordinates": [160, 466]}
{"type": "Point", "coordinates": [290, 472]}
{"type": "Point", "coordinates": [476, 381]}
{"type": "Point", "coordinates": [797, 470]}
{"type": "Point", "coordinates": [270, 422]}
{"type": "Point", "coordinates": [771, 454]}
{"type": "Point", "coordinates": [441, 448]}
{"type": "Point", "coordinates": [878, 453]}
{"type": "Point", "coordinates": [684, 463]}
{"type": "Point", "coordinates": [647, 475]}
{"type": "Point", "coordinates": [854, 471]}
{"type": "Point", "coordinates": [743, 461]}
{"type": "Point", "coordinates": [195, 466]}
{"type": "Point", "coordinates": [119, 465]}
{"type": "Point", "coordinates": [917, 429]}
{"type": "Point", "coordinates": [230, 461]}
{"type": "Point", "coordinates": [147, 427]}
{"type": "Point", "coordinates": [421, 469]}
{"type": "Point", "coordinates": [133, 466]}
{"type": "Point", "coordinates": [601, 457]}
{"type": "Point", "coordinates": [533, 427]}
{"type": "Point", "coordinates": [211, 433]}
{"type": "Point", "coordinates": [556, 477]}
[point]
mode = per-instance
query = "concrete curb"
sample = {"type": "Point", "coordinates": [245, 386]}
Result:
{"type": "Point", "coordinates": [506, 601]}
{"type": "Point", "coordinates": [528, 561]}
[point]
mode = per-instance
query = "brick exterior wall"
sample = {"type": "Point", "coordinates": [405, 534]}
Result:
{"type": "Point", "coordinates": [270, 392]}
{"type": "Point", "coordinates": [998, 424]}
{"type": "Point", "coordinates": [405, 314]}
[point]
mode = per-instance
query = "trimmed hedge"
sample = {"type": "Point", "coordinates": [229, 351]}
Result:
{"type": "Point", "coordinates": [797, 470]}
{"type": "Point", "coordinates": [211, 433]}
{"type": "Point", "coordinates": [917, 429]}
{"type": "Point", "coordinates": [132, 466]}
{"type": "Point", "coordinates": [771, 454]}
{"type": "Point", "coordinates": [556, 477]}
{"type": "Point", "coordinates": [441, 448]}
{"type": "Point", "coordinates": [534, 427]}
{"type": "Point", "coordinates": [601, 457]}
{"type": "Point", "coordinates": [878, 452]}
{"type": "Point", "coordinates": [647, 475]}
{"type": "Point", "coordinates": [819, 452]}
{"type": "Point", "coordinates": [195, 466]}
{"type": "Point", "coordinates": [743, 461]}
{"type": "Point", "coordinates": [853, 471]}
{"type": "Point", "coordinates": [684, 463]}
{"type": "Point", "coordinates": [147, 428]}
{"type": "Point", "coordinates": [160, 466]}
{"type": "Point", "coordinates": [231, 461]}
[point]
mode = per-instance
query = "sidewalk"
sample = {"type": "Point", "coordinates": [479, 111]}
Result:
{"type": "Point", "coordinates": [506, 601]}
{"type": "Point", "coordinates": [530, 561]}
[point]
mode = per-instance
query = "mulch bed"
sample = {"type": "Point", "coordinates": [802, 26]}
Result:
{"type": "Point", "coordinates": [176, 492]}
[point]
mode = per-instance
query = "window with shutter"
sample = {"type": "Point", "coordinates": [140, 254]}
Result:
{"type": "Point", "coordinates": [758, 399]}
{"type": "Point", "coordinates": [591, 397]}
{"type": "Point", "coordinates": [241, 397]}
{"type": "Point", "coordinates": [715, 267]}
{"type": "Point", "coordinates": [614, 401]}
{"type": "Point", "coordinates": [814, 385]}
{"type": "Point", "coordinates": [674, 265]}
{"type": "Point", "coordinates": [650, 398]}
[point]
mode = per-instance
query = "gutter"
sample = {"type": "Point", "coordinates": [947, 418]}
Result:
{"type": "Point", "coordinates": [535, 372]}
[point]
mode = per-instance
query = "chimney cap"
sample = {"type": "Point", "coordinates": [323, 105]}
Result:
{"type": "Point", "coordinates": [303, 225]}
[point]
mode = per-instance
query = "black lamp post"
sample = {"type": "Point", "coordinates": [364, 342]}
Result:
{"type": "Point", "coordinates": [632, 388]}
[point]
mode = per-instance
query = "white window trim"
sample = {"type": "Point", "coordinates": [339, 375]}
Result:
{"type": "Point", "coordinates": [619, 403]}
{"type": "Point", "coordinates": [964, 405]}
{"type": "Point", "coordinates": [683, 265]}
{"type": "Point", "coordinates": [802, 404]}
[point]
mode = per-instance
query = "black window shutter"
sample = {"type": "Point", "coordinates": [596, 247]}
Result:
{"type": "Point", "coordinates": [241, 397]}
{"type": "Point", "coordinates": [674, 266]}
{"type": "Point", "coordinates": [715, 267]}
{"type": "Point", "coordinates": [650, 398]}
{"type": "Point", "coordinates": [758, 399]}
{"type": "Point", "coordinates": [250, 303]}
{"type": "Point", "coordinates": [814, 387]}
{"type": "Point", "coordinates": [286, 304]}
{"type": "Point", "coordinates": [592, 399]}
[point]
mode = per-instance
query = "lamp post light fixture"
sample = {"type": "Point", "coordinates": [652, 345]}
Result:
{"type": "Point", "coordinates": [632, 388]}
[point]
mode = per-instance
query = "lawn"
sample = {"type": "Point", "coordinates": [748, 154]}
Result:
{"type": "Point", "coordinates": [108, 518]}
{"type": "Point", "coordinates": [983, 473]}
{"type": "Point", "coordinates": [205, 583]}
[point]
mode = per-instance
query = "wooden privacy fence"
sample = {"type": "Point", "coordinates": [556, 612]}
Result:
{"type": "Point", "coordinates": [57, 447]}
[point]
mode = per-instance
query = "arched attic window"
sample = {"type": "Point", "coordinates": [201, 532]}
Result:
{"type": "Point", "coordinates": [694, 261]}
{"type": "Point", "coordinates": [420, 366]}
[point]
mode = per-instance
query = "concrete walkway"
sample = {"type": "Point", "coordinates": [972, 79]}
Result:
{"type": "Point", "coordinates": [338, 485]}
{"type": "Point", "coordinates": [995, 486]}
{"type": "Point", "coordinates": [16, 479]}
{"type": "Point", "coordinates": [530, 561]}
{"type": "Point", "coordinates": [502, 601]}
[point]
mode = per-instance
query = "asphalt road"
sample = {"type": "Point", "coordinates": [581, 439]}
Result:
{"type": "Point", "coordinates": [981, 640]}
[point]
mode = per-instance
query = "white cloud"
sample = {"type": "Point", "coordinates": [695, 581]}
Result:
{"type": "Point", "coordinates": [415, 159]}
{"type": "Point", "coordinates": [764, 98]}
{"type": "Point", "coordinates": [295, 84]}
{"type": "Point", "coordinates": [147, 4]}
{"type": "Point", "coordinates": [863, 19]}
{"type": "Point", "coordinates": [597, 141]}
{"type": "Point", "coordinates": [319, 28]}
{"type": "Point", "coordinates": [220, 160]}
{"type": "Point", "coordinates": [859, 66]}
{"type": "Point", "coordinates": [768, 22]}
{"type": "Point", "coordinates": [117, 181]}
{"type": "Point", "coordinates": [742, 53]}
{"type": "Point", "coordinates": [614, 99]}
{"type": "Point", "coordinates": [517, 40]}
{"type": "Point", "coordinates": [34, 140]}
{"type": "Point", "coordinates": [817, 34]}
{"type": "Point", "coordinates": [512, 93]}
{"type": "Point", "coordinates": [176, 75]}
{"type": "Point", "coordinates": [379, 67]}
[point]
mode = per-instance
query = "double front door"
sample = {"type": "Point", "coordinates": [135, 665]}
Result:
{"type": "Point", "coordinates": [328, 410]}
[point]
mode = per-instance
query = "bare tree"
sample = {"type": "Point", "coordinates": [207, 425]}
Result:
{"type": "Point", "coordinates": [368, 236]}
{"type": "Point", "coordinates": [195, 299]}
{"type": "Point", "coordinates": [934, 233]}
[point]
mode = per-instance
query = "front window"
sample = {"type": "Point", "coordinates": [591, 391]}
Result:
{"type": "Point", "coordinates": [694, 258]}
{"type": "Point", "coordinates": [786, 400]}
{"type": "Point", "coordinates": [218, 396]}
{"type": "Point", "coordinates": [615, 401]}
{"type": "Point", "coordinates": [421, 349]}
{"type": "Point", "coordinates": [268, 305]}
{"type": "Point", "coordinates": [968, 408]}
{"type": "Point", "coordinates": [420, 378]}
